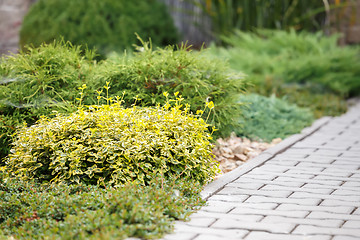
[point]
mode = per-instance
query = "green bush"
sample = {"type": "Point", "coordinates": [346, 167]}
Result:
{"type": "Point", "coordinates": [29, 210]}
{"type": "Point", "coordinates": [311, 61]}
{"type": "Point", "coordinates": [39, 81]}
{"type": "Point", "coordinates": [107, 25]}
{"type": "Point", "coordinates": [269, 118]}
{"type": "Point", "coordinates": [109, 143]}
{"type": "Point", "coordinates": [149, 73]}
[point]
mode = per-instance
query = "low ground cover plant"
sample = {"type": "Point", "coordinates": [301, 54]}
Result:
{"type": "Point", "coordinates": [267, 118]}
{"type": "Point", "coordinates": [276, 61]}
{"type": "Point", "coordinates": [149, 73]}
{"type": "Point", "coordinates": [30, 210]}
{"type": "Point", "coordinates": [107, 25]}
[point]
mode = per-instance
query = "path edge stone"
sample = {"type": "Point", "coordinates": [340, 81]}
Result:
{"type": "Point", "coordinates": [215, 186]}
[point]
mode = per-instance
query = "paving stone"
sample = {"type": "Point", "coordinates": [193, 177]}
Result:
{"type": "Point", "coordinates": [320, 186]}
{"type": "Point", "coordinates": [342, 179]}
{"type": "Point", "coordinates": [306, 230]}
{"type": "Point", "coordinates": [283, 163]}
{"type": "Point", "coordinates": [240, 182]}
{"type": "Point", "coordinates": [218, 209]}
{"type": "Point", "coordinates": [305, 195]}
{"type": "Point", "coordinates": [328, 152]}
{"type": "Point", "coordinates": [332, 209]}
{"type": "Point", "coordinates": [344, 192]}
{"type": "Point", "coordinates": [297, 189]}
{"type": "Point", "coordinates": [270, 236]}
{"type": "Point", "coordinates": [332, 202]}
{"type": "Point", "coordinates": [241, 217]}
{"type": "Point", "coordinates": [326, 215]}
{"type": "Point", "coordinates": [330, 167]}
{"type": "Point", "coordinates": [235, 191]}
{"type": "Point", "coordinates": [180, 236]}
{"type": "Point", "coordinates": [351, 184]}
{"type": "Point", "coordinates": [259, 206]}
{"type": "Point", "coordinates": [253, 226]}
{"type": "Point", "coordinates": [302, 221]}
{"type": "Point", "coordinates": [225, 233]}
{"type": "Point", "coordinates": [303, 181]}
{"type": "Point", "coordinates": [248, 185]}
{"type": "Point", "coordinates": [229, 198]}
{"type": "Point", "coordinates": [212, 237]}
{"type": "Point", "coordinates": [201, 221]}
{"type": "Point", "coordinates": [255, 174]}
{"type": "Point", "coordinates": [307, 201]}
{"type": "Point", "coordinates": [352, 224]}
{"type": "Point", "coordinates": [240, 210]}
{"type": "Point", "coordinates": [342, 237]}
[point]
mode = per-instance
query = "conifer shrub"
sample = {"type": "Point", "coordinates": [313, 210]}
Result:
{"type": "Point", "coordinates": [38, 81]}
{"type": "Point", "coordinates": [107, 25]}
{"type": "Point", "coordinates": [148, 73]}
{"type": "Point", "coordinates": [266, 118]}
{"type": "Point", "coordinates": [111, 144]}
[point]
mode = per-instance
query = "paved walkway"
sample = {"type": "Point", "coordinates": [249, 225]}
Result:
{"type": "Point", "coordinates": [309, 191]}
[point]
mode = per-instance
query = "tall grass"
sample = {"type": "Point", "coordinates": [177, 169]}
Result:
{"type": "Point", "coordinates": [227, 15]}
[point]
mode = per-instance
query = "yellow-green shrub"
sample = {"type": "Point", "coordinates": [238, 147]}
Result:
{"type": "Point", "coordinates": [109, 143]}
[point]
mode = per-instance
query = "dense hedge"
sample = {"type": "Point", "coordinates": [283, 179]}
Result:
{"type": "Point", "coordinates": [107, 25]}
{"type": "Point", "coordinates": [149, 73]}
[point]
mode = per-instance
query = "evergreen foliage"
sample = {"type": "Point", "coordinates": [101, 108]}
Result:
{"type": "Point", "coordinates": [149, 73]}
{"type": "Point", "coordinates": [107, 25]}
{"type": "Point", "coordinates": [268, 118]}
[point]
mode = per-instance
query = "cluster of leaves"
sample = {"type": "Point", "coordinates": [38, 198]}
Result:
{"type": "Point", "coordinates": [29, 210]}
{"type": "Point", "coordinates": [39, 81]}
{"type": "Point", "coordinates": [107, 25]}
{"type": "Point", "coordinates": [284, 63]}
{"type": "Point", "coordinates": [111, 144]}
{"type": "Point", "coordinates": [266, 118]}
{"type": "Point", "coordinates": [149, 73]}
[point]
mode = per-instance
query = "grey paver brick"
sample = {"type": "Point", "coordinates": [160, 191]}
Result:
{"type": "Point", "coordinates": [303, 181]}
{"type": "Point", "coordinates": [180, 236]}
{"type": "Point", "coordinates": [304, 195]}
{"type": "Point", "coordinates": [253, 226]}
{"type": "Point", "coordinates": [258, 206]}
{"type": "Point", "coordinates": [240, 182]}
{"type": "Point", "coordinates": [240, 210]}
{"type": "Point", "coordinates": [320, 186]}
{"type": "Point", "coordinates": [344, 192]}
{"type": "Point", "coordinates": [270, 236]}
{"type": "Point", "coordinates": [306, 229]}
{"type": "Point", "coordinates": [225, 233]}
{"type": "Point", "coordinates": [328, 152]}
{"type": "Point", "coordinates": [229, 198]}
{"type": "Point", "coordinates": [218, 208]}
{"type": "Point", "coordinates": [212, 237]}
{"type": "Point", "coordinates": [332, 209]}
{"type": "Point", "coordinates": [240, 217]}
{"type": "Point", "coordinates": [302, 221]}
{"type": "Point", "coordinates": [248, 185]}
{"type": "Point", "coordinates": [200, 221]}
{"type": "Point", "coordinates": [342, 237]}
{"type": "Point", "coordinates": [285, 163]}
{"type": "Point", "coordinates": [351, 184]}
{"type": "Point", "coordinates": [334, 178]}
{"type": "Point", "coordinates": [352, 224]}
{"type": "Point", "coordinates": [297, 189]}
{"type": "Point", "coordinates": [307, 201]}
{"type": "Point", "coordinates": [326, 215]}
{"type": "Point", "coordinates": [235, 191]}
{"type": "Point", "coordinates": [332, 202]}
{"type": "Point", "coordinates": [357, 211]}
